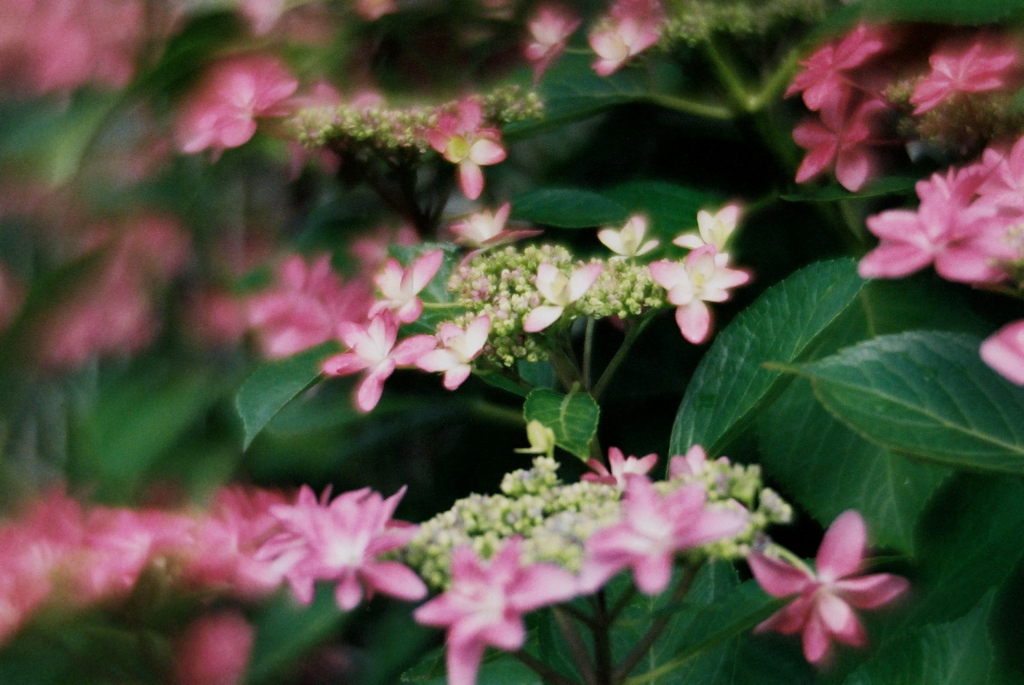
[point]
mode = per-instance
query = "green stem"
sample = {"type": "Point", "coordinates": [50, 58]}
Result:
{"type": "Point", "coordinates": [741, 100]}
{"type": "Point", "coordinates": [602, 642]}
{"type": "Point", "coordinates": [655, 629]}
{"type": "Point", "coordinates": [701, 109]}
{"type": "Point", "coordinates": [497, 413]}
{"type": "Point", "coordinates": [576, 646]}
{"type": "Point", "coordinates": [631, 335]}
{"type": "Point", "coordinates": [549, 674]}
{"type": "Point", "coordinates": [588, 353]}
{"type": "Point", "coordinates": [776, 84]}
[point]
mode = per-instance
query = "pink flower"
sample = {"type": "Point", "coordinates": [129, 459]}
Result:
{"type": "Point", "coordinates": [629, 240]}
{"type": "Point", "coordinates": [965, 241]}
{"type": "Point", "coordinates": [400, 287]}
{"type": "Point", "coordinates": [838, 140]}
{"type": "Point", "coordinates": [963, 68]}
{"type": "Point", "coordinates": [654, 528]}
{"type": "Point", "coordinates": [487, 229]}
{"type": "Point", "coordinates": [227, 539]}
{"type": "Point", "coordinates": [1003, 184]}
{"type": "Point", "coordinates": [1004, 351]}
{"type": "Point", "coordinates": [222, 111]}
{"type": "Point", "coordinates": [458, 348]}
{"type": "Point", "coordinates": [214, 650]}
{"type": "Point", "coordinates": [620, 468]}
{"type": "Point", "coordinates": [373, 350]}
{"type": "Point", "coordinates": [550, 27]}
{"type": "Point", "coordinates": [822, 610]}
{"type": "Point", "coordinates": [634, 26]}
{"type": "Point", "coordinates": [690, 284]}
{"type": "Point", "coordinates": [460, 140]}
{"type": "Point", "coordinates": [560, 291]}
{"type": "Point", "coordinates": [692, 463]}
{"type": "Point", "coordinates": [342, 541]}
{"type": "Point", "coordinates": [713, 229]}
{"type": "Point", "coordinates": [305, 306]}
{"type": "Point", "coordinates": [486, 603]}
{"type": "Point", "coordinates": [823, 79]}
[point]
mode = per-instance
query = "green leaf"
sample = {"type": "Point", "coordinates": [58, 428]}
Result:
{"type": "Point", "coordinates": [496, 668]}
{"type": "Point", "coordinates": [968, 542]}
{"type": "Point", "coordinates": [272, 386]}
{"type": "Point", "coordinates": [888, 185]}
{"type": "Point", "coordinates": [286, 630]}
{"type": "Point", "coordinates": [567, 208]}
{"type": "Point", "coordinates": [139, 416]}
{"type": "Point", "coordinates": [731, 384]}
{"type": "Point", "coordinates": [572, 417]}
{"type": "Point", "coordinates": [798, 440]}
{"type": "Point", "coordinates": [955, 653]}
{"type": "Point", "coordinates": [798, 437]}
{"type": "Point", "coordinates": [670, 208]}
{"type": "Point", "coordinates": [943, 11]}
{"type": "Point", "coordinates": [927, 395]}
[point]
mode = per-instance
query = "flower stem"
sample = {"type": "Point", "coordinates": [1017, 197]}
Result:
{"type": "Point", "coordinates": [576, 645]}
{"type": "Point", "coordinates": [549, 674]}
{"type": "Point", "coordinates": [632, 334]}
{"type": "Point", "coordinates": [654, 631]}
{"type": "Point", "coordinates": [588, 353]}
{"type": "Point", "coordinates": [701, 109]}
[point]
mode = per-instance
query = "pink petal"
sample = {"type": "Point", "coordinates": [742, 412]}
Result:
{"type": "Point", "coordinates": [816, 641]}
{"type": "Point", "coordinates": [471, 179]}
{"type": "Point", "coordinates": [541, 585]}
{"type": "Point", "coordinates": [463, 661]}
{"type": "Point", "coordinates": [456, 376]}
{"type": "Point", "coordinates": [842, 548]}
{"type": "Point", "coordinates": [395, 580]}
{"type": "Point", "coordinates": [437, 360]}
{"type": "Point", "coordinates": [694, 321]}
{"type": "Point", "coordinates": [871, 591]}
{"type": "Point", "coordinates": [652, 573]}
{"type": "Point", "coordinates": [372, 387]}
{"type": "Point", "coordinates": [348, 593]}
{"type": "Point", "coordinates": [344, 364]}
{"type": "Point", "coordinates": [893, 260]}
{"type": "Point", "coordinates": [778, 578]}
{"type": "Point", "coordinates": [1004, 351]}
{"type": "Point", "coordinates": [485, 152]}
{"type": "Point", "coordinates": [425, 268]}
{"type": "Point", "coordinates": [411, 349]}
{"type": "Point", "coordinates": [541, 317]}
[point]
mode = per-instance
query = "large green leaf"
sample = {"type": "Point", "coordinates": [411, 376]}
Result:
{"type": "Point", "coordinates": [567, 208]}
{"type": "Point", "coordinates": [274, 385]}
{"type": "Point", "coordinates": [286, 630]}
{"type": "Point", "coordinates": [943, 11]}
{"type": "Point", "coordinates": [496, 668]}
{"type": "Point", "coordinates": [798, 438]}
{"type": "Point", "coordinates": [573, 418]}
{"type": "Point", "coordinates": [968, 542]}
{"type": "Point", "coordinates": [927, 395]}
{"type": "Point", "coordinates": [955, 653]}
{"type": "Point", "coordinates": [731, 384]}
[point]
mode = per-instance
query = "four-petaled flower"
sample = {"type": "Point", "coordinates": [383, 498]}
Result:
{"type": "Point", "coordinates": [965, 68]}
{"type": "Point", "coordinates": [839, 139]}
{"type": "Point", "coordinates": [691, 283]}
{"type": "Point", "coordinates": [620, 468]}
{"type": "Point", "coordinates": [460, 140]}
{"type": "Point", "coordinates": [654, 528]}
{"type": "Point", "coordinates": [486, 603]}
{"type": "Point", "coordinates": [822, 78]}
{"type": "Point", "coordinates": [822, 609]}
{"type": "Point", "coordinates": [373, 350]}
{"type": "Point", "coordinates": [400, 287]}
{"type": "Point", "coordinates": [714, 229]}
{"type": "Point", "coordinates": [487, 229]}
{"type": "Point", "coordinates": [458, 348]}
{"type": "Point", "coordinates": [629, 240]}
{"type": "Point", "coordinates": [560, 291]}
{"type": "Point", "coordinates": [342, 541]}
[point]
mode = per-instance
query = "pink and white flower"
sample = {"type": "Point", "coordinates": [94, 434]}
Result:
{"type": "Point", "coordinates": [342, 541]}
{"type": "Point", "coordinates": [486, 229]}
{"type": "Point", "coordinates": [620, 468]}
{"type": "Point", "coordinates": [459, 347]}
{"type": "Point", "coordinates": [486, 602]}
{"type": "Point", "coordinates": [976, 67]}
{"type": "Point", "coordinates": [550, 27]}
{"type": "Point", "coordinates": [460, 140]}
{"type": "Point", "coordinates": [221, 113]}
{"type": "Point", "coordinates": [560, 291]}
{"type": "Point", "coordinates": [373, 350]}
{"type": "Point", "coordinates": [713, 229]}
{"type": "Point", "coordinates": [400, 287]}
{"type": "Point", "coordinates": [824, 600]}
{"type": "Point", "coordinates": [653, 530]}
{"type": "Point", "coordinates": [699, 279]}
{"type": "Point", "coordinates": [633, 26]}
{"type": "Point", "coordinates": [629, 240]}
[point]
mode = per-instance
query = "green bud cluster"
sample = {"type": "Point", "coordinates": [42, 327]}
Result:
{"type": "Point", "coordinates": [695, 21]}
{"type": "Point", "coordinates": [501, 284]}
{"type": "Point", "coordinates": [625, 289]}
{"type": "Point", "coordinates": [735, 486]}
{"type": "Point", "coordinates": [553, 519]}
{"type": "Point", "coordinates": [961, 126]}
{"type": "Point", "coordinates": [386, 129]}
